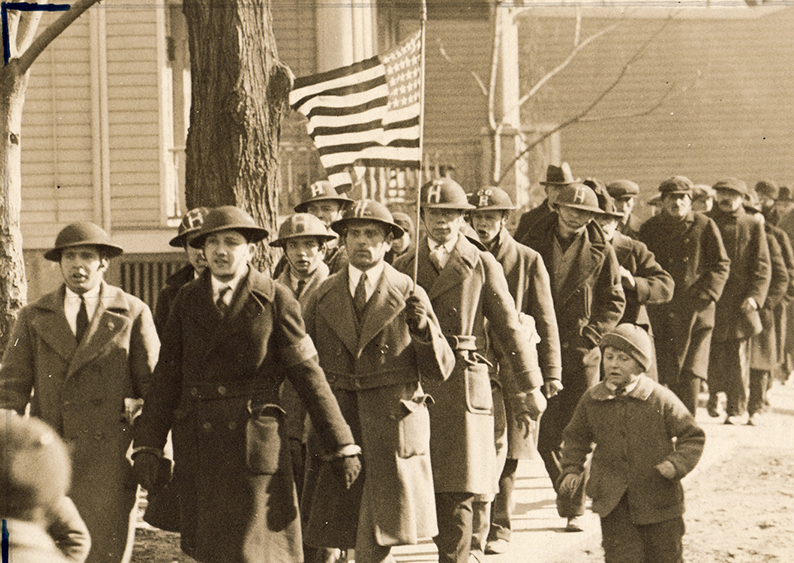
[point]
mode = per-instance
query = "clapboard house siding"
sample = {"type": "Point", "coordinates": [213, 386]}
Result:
{"type": "Point", "coordinates": [133, 116]}
{"type": "Point", "coordinates": [735, 119]}
{"type": "Point", "coordinates": [294, 25]}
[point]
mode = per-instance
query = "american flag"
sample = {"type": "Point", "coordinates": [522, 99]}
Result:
{"type": "Point", "coordinates": [365, 114]}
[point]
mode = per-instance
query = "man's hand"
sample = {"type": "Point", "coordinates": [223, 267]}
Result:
{"type": "Point", "coordinates": [627, 279]}
{"type": "Point", "coordinates": [348, 468]}
{"type": "Point", "coordinates": [749, 304]}
{"type": "Point", "coordinates": [552, 387]}
{"type": "Point", "coordinates": [667, 469]}
{"type": "Point", "coordinates": [570, 483]}
{"type": "Point", "coordinates": [145, 467]}
{"type": "Point", "coordinates": [416, 315]}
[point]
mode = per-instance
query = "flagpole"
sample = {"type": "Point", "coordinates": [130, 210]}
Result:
{"type": "Point", "coordinates": [421, 137]}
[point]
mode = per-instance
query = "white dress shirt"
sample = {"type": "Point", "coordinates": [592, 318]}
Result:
{"type": "Point", "coordinates": [218, 285]}
{"type": "Point", "coordinates": [373, 277]}
{"type": "Point", "coordinates": [71, 305]}
{"type": "Point", "coordinates": [441, 255]}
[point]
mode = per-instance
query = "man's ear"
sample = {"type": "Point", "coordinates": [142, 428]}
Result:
{"type": "Point", "coordinates": [390, 237]}
{"type": "Point", "coordinates": [104, 263]}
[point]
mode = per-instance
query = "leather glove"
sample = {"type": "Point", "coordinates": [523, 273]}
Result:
{"type": "Point", "coordinates": [570, 483]}
{"type": "Point", "coordinates": [146, 466]}
{"type": "Point", "coordinates": [348, 468]}
{"type": "Point", "coordinates": [416, 315]}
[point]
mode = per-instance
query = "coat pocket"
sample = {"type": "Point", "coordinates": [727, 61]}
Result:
{"type": "Point", "coordinates": [414, 426]}
{"type": "Point", "coordinates": [263, 439]}
{"type": "Point", "coordinates": [479, 397]}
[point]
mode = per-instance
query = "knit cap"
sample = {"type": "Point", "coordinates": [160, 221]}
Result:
{"type": "Point", "coordinates": [632, 340]}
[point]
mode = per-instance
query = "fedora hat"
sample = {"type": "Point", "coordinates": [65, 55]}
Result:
{"type": "Point", "coordinates": [559, 175]}
{"type": "Point", "coordinates": [228, 218]}
{"type": "Point", "coordinates": [82, 234]}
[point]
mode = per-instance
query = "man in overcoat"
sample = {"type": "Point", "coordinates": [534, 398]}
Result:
{"type": "Point", "coordinates": [466, 286]}
{"type": "Point", "coordinates": [688, 245]}
{"type": "Point", "coordinates": [232, 337]}
{"type": "Point", "coordinates": [588, 301]}
{"type": "Point", "coordinates": [86, 353]}
{"type": "Point", "coordinates": [624, 193]}
{"type": "Point", "coordinates": [377, 345]}
{"type": "Point", "coordinates": [737, 317]}
{"type": "Point", "coordinates": [556, 177]}
{"type": "Point", "coordinates": [529, 285]}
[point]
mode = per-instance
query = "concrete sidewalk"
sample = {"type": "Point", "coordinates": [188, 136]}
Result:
{"type": "Point", "coordinates": [538, 532]}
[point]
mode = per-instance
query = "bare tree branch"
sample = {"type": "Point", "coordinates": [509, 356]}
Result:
{"type": "Point", "coordinates": [52, 31]}
{"type": "Point", "coordinates": [459, 66]}
{"type": "Point", "coordinates": [578, 30]}
{"type": "Point", "coordinates": [13, 26]}
{"type": "Point", "coordinates": [28, 24]}
{"type": "Point", "coordinates": [495, 54]}
{"type": "Point", "coordinates": [579, 117]}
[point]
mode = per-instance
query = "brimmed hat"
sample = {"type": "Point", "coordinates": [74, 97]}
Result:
{"type": "Point", "coordinates": [321, 191]}
{"type": "Point", "coordinates": [491, 199]}
{"type": "Point", "coordinates": [302, 225]}
{"type": "Point", "coordinates": [34, 466]}
{"type": "Point", "coordinates": [676, 185]}
{"type": "Point", "coordinates": [751, 203]}
{"type": "Point", "coordinates": [191, 223]}
{"type": "Point", "coordinates": [767, 188]}
{"type": "Point", "coordinates": [702, 191]}
{"type": "Point", "coordinates": [731, 184]}
{"type": "Point", "coordinates": [444, 193]}
{"type": "Point", "coordinates": [784, 194]}
{"type": "Point", "coordinates": [228, 218]}
{"type": "Point", "coordinates": [82, 234]}
{"type": "Point", "coordinates": [623, 189]}
{"type": "Point", "coordinates": [633, 340]}
{"type": "Point", "coordinates": [367, 210]}
{"type": "Point", "coordinates": [404, 220]}
{"type": "Point", "coordinates": [559, 175]}
{"type": "Point", "coordinates": [578, 196]}
{"type": "Point", "coordinates": [607, 205]}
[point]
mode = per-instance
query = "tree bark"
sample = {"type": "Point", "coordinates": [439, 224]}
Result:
{"type": "Point", "coordinates": [13, 286]}
{"type": "Point", "coordinates": [239, 92]}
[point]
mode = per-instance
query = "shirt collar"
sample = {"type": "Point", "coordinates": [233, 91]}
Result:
{"type": "Point", "coordinates": [217, 285]}
{"type": "Point", "coordinates": [449, 245]}
{"type": "Point", "coordinates": [91, 294]}
{"type": "Point", "coordinates": [373, 276]}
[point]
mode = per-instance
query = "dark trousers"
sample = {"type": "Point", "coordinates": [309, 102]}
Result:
{"type": "Point", "coordinates": [454, 514]}
{"type": "Point", "coordinates": [687, 389]}
{"type": "Point", "coordinates": [626, 542]}
{"type": "Point", "coordinates": [501, 509]}
{"type": "Point", "coordinates": [759, 383]}
{"type": "Point", "coordinates": [729, 371]}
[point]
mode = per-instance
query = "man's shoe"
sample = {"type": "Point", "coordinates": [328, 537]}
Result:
{"type": "Point", "coordinates": [714, 412]}
{"type": "Point", "coordinates": [574, 525]}
{"type": "Point", "coordinates": [733, 420]}
{"type": "Point", "coordinates": [497, 547]}
{"type": "Point", "coordinates": [476, 556]}
{"type": "Point", "coordinates": [754, 420]}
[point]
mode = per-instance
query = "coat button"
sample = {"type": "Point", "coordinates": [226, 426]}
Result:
{"type": "Point", "coordinates": [207, 426]}
{"type": "Point", "coordinates": [232, 425]}
{"type": "Point", "coordinates": [221, 390]}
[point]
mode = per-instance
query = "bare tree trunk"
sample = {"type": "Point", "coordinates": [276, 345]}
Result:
{"type": "Point", "coordinates": [239, 91]}
{"type": "Point", "coordinates": [13, 286]}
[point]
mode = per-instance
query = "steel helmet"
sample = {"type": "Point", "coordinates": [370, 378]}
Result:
{"type": "Point", "coordinates": [228, 218]}
{"type": "Point", "coordinates": [491, 199]}
{"type": "Point", "coordinates": [321, 191]}
{"type": "Point", "coordinates": [444, 193]}
{"type": "Point", "coordinates": [367, 210]}
{"type": "Point", "coordinates": [578, 196]}
{"type": "Point", "coordinates": [82, 234]}
{"type": "Point", "coordinates": [302, 225]}
{"type": "Point", "coordinates": [191, 223]}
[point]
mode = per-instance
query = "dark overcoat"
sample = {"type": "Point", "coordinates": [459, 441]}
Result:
{"type": "Point", "coordinates": [528, 282]}
{"type": "Point", "coordinates": [237, 495]}
{"type": "Point", "coordinates": [468, 290]}
{"type": "Point", "coordinates": [377, 372]}
{"type": "Point", "coordinates": [781, 311]}
{"type": "Point", "coordinates": [531, 218]}
{"type": "Point", "coordinates": [763, 346]}
{"type": "Point", "coordinates": [80, 390]}
{"type": "Point", "coordinates": [691, 251]}
{"type": "Point", "coordinates": [166, 296]}
{"type": "Point", "coordinates": [745, 243]}
{"type": "Point", "coordinates": [632, 435]}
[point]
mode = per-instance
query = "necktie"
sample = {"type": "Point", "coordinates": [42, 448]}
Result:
{"type": "Point", "coordinates": [81, 326]}
{"type": "Point", "coordinates": [299, 289]}
{"type": "Point", "coordinates": [438, 256]}
{"type": "Point", "coordinates": [360, 296]}
{"type": "Point", "coordinates": [221, 302]}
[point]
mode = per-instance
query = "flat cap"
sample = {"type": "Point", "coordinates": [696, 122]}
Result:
{"type": "Point", "coordinates": [676, 185]}
{"type": "Point", "coordinates": [621, 189]}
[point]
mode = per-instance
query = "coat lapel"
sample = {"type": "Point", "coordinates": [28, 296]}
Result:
{"type": "Point", "coordinates": [53, 328]}
{"type": "Point", "coordinates": [109, 320]}
{"type": "Point", "coordinates": [336, 307]}
{"type": "Point", "coordinates": [589, 261]}
{"type": "Point", "coordinates": [384, 305]}
{"type": "Point", "coordinates": [456, 270]}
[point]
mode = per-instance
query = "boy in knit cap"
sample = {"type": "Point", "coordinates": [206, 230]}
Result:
{"type": "Point", "coordinates": [636, 471]}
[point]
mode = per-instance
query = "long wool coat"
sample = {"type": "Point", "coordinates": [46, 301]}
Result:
{"type": "Point", "coordinates": [468, 290]}
{"type": "Point", "coordinates": [632, 435]}
{"type": "Point", "coordinates": [763, 347]}
{"type": "Point", "coordinates": [237, 495]}
{"type": "Point", "coordinates": [377, 372]}
{"type": "Point", "coordinates": [528, 281]}
{"type": "Point", "coordinates": [80, 390]}
{"type": "Point", "coordinates": [691, 251]}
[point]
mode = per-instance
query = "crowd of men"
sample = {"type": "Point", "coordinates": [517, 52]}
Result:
{"type": "Point", "coordinates": [380, 390]}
